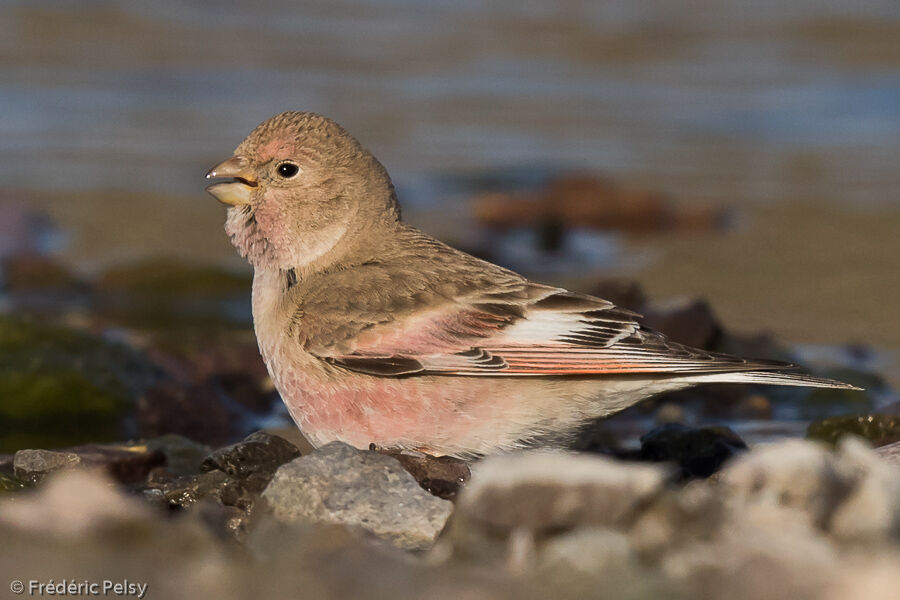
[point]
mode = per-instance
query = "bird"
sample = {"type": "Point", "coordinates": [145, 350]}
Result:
{"type": "Point", "coordinates": [374, 332]}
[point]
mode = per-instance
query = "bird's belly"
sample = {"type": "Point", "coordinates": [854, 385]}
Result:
{"type": "Point", "coordinates": [444, 415]}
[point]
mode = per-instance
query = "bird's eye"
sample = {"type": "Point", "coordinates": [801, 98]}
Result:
{"type": "Point", "coordinates": [287, 170]}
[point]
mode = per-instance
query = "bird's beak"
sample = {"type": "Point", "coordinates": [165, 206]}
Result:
{"type": "Point", "coordinates": [237, 191]}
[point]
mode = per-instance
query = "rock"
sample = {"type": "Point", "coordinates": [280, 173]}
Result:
{"type": "Point", "coordinates": [34, 465]}
{"type": "Point", "coordinates": [63, 387]}
{"type": "Point", "coordinates": [340, 484]}
{"type": "Point", "coordinates": [442, 476]}
{"type": "Point", "coordinates": [72, 504]}
{"type": "Point", "coordinates": [699, 452]}
{"type": "Point", "coordinates": [259, 452]}
{"type": "Point", "coordinates": [250, 465]}
{"type": "Point", "coordinates": [689, 322]}
{"type": "Point", "coordinates": [880, 430]}
{"type": "Point", "coordinates": [849, 494]}
{"type": "Point", "coordinates": [126, 463]}
{"type": "Point", "coordinates": [871, 509]}
{"type": "Point", "coordinates": [186, 491]}
{"type": "Point", "coordinates": [890, 453]}
{"type": "Point", "coordinates": [514, 500]}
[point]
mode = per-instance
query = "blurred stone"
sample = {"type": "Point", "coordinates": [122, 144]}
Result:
{"type": "Point", "coordinates": [871, 509]}
{"type": "Point", "coordinates": [849, 494]}
{"type": "Point", "coordinates": [689, 322]}
{"type": "Point", "coordinates": [676, 517]}
{"type": "Point", "coordinates": [513, 501]}
{"type": "Point", "coordinates": [34, 465]}
{"type": "Point", "coordinates": [71, 504]}
{"type": "Point", "coordinates": [880, 430]}
{"type": "Point", "coordinates": [698, 451]}
{"type": "Point", "coordinates": [340, 484]}
{"type": "Point", "coordinates": [442, 476]}
{"type": "Point", "coordinates": [890, 453]}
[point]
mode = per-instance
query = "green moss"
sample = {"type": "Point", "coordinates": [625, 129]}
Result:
{"type": "Point", "coordinates": [65, 386]}
{"type": "Point", "coordinates": [878, 429]}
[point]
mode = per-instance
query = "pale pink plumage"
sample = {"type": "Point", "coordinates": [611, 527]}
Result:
{"type": "Point", "coordinates": [374, 332]}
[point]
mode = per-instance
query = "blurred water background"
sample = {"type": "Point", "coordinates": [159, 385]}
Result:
{"type": "Point", "coordinates": [786, 112]}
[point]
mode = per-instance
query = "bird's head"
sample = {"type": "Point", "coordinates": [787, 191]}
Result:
{"type": "Point", "coordinates": [301, 192]}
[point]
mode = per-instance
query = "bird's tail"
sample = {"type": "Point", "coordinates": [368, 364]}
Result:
{"type": "Point", "coordinates": [772, 378]}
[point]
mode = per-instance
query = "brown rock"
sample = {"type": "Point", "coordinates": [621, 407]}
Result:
{"type": "Point", "coordinates": [442, 476]}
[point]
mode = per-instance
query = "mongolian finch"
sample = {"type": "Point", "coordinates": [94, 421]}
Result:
{"type": "Point", "coordinates": [375, 332]}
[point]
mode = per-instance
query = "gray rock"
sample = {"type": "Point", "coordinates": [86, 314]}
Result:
{"type": "Point", "coordinates": [890, 453]}
{"type": "Point", "coordinates": [34, 465]}
{"type": "Point", "coordinates": [514, 501]}
{"type": "Point", "coordinates": [344, 485]}
{"type": "Point", "coordinates": [849, 494]}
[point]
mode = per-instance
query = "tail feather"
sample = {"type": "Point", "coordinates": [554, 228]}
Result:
{"type": "Point", "coordinates": [772, 378]}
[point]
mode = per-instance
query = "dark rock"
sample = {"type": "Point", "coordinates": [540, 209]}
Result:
{"type": "Point", "coordinates": [340, 484]}
{"type": "Point", "coordinates": [186, 491]}
{"type": "Point", "coordinates": [233, 479]}
{"type": "Point", "coordinates": [259, 452]}
{"type": "Point", "coordinates": [442, 476]}
{"type": "Point", "coordinates": [250, 465]}
{"type": "Point", "coordinates": [880, 430]}
{"type": "Point", "coordinates": [699, 452]}
{"type": "Point", "coordinates": [34, 465]}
